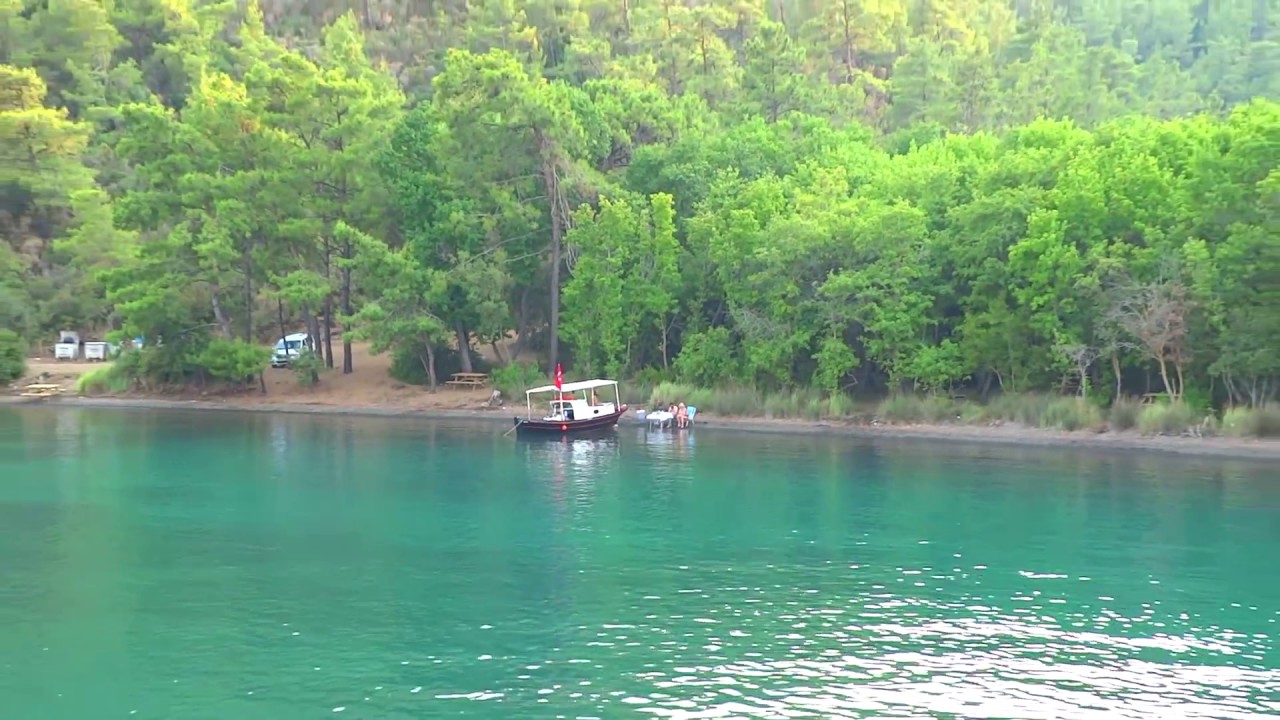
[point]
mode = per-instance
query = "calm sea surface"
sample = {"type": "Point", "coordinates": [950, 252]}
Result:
{"type": "Point", "coordinates": [210, 565]}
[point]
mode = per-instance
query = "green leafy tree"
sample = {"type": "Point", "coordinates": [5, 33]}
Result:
{"type": "Point", "coordinates": [13, 356]}
{"type": "Point", "coordinates": [621, 292]}
{"type": "Point", "coordinates": [506, 131]}
{"type": "Point", "coordinates": [399, 314]}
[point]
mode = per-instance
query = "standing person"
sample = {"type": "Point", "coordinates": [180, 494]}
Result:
{"type": "Point", "coordinates": [682, 417]}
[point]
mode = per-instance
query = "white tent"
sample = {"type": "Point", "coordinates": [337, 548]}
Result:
{"type": "Point", "coordinates": [573, 386]}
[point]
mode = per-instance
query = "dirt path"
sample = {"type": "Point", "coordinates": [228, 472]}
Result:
{"type": "Point", "coordinates": [370, 384]}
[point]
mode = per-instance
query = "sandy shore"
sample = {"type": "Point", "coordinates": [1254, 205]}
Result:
{"type": "Point", "coordinates": [370, 391]}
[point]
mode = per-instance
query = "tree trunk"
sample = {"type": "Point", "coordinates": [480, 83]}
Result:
{"type": "Point", "coordinates": [346, 310]}
{"type": "Point", "coordinates": [666, 348]}
{"type": "Point", "coordinates": [429, 364]}
{"type": "Point", "coordinates": [464, 346]}
{"type": "Point", "coordinates": [328, 332]}
{"type": "Point", "coordinates": [1164, 376]}
{"type": "Point", "coordinates": [328, 305]}
{"type": "Point", "coordinates": [224, 323]}
{"type": "Point", "coordinates": [850, 56]}
{"type": "Point", "coordinates": [1115, 368]}
{"type": "Point", "coordinates": [1182, 383]}
{"type": "Point", "coordinates": [522, 325]}
{"type": "Point", "coordinates": [1013, 367]}
{"type": "Point", "coordinates": [551, 180]}
{"type": "Point", "coordinates": [553, 342]}
{"type": "Point", "coordinates": [312, 324]}
{"type": "Point", "coordinates": [248, 299]}
{"type": "Point", "coordinates": [984, 385]}
{"type": "Point", "coordinates": [1233, 397]}
{"type": "Point", "coordinates": [280, 317]}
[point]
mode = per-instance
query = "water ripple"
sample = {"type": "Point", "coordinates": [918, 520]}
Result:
{"type": "Point", "coordinates": [182, 566]}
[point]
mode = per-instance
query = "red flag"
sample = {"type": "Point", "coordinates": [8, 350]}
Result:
{"type": "Point", "coordinates": [559, 377]}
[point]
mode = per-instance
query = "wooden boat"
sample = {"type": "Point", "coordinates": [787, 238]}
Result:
{"type": "Point", "coordinates": [574, 409]}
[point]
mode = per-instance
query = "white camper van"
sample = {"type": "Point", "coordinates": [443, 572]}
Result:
{"type": "Point", "coordinates": [289, 347]}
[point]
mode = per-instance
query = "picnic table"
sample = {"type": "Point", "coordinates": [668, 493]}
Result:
{"type": "Point", "coordinates": [468, 380]}
{"type": "Point", "coordinates": [39, 390]}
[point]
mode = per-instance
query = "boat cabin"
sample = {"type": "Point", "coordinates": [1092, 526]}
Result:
{"type": "Point", "coordinates": [578, 401]}
{"type": "Point", "coordinates": [578, 409]}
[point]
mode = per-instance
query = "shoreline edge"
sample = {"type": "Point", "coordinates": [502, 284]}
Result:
{"type": "Point", "coordinates": [1234, 448]}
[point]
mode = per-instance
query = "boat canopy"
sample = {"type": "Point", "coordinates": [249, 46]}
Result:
{"type": "Point", "coordinates": [573, 386]}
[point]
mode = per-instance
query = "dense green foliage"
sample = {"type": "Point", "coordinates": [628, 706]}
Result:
{"type": "Point", "coordinates": [796, 199]}
{"type": "Point", "coordinates": [13, 356]}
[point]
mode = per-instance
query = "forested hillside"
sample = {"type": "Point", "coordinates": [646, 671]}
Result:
{"type": "Point", "coordinates": [841, 195]}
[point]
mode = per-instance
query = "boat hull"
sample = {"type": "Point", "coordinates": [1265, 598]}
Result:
{"type": "Point", "coordinates": [554, 428]}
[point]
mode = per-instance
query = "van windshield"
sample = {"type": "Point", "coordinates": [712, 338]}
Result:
{"type": "Point", "coordinates": [292, 344]}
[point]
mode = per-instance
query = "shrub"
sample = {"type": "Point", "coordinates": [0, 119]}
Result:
{"type": "Point", "coordinates": [1251, 422]}
{"type": "Point", "coordinates": [112, 379]}
{"type": "Point", "coordinates": [167, 364]}
{"type": "Point", "coordinates": [795, 404]}
{"type": "Point", "coordinates": [706, 357]}
{"type": "Point", "coordinates": [233, 361]}
{"type": "Point", "coordinates": [840, 405]}
{"type": "Point", "coordinates": [1166, 419]}
{"type": "Point", "coordinates": [640, 386]}
{"type": "Point", "coordinates": [734, 401]}
{"type": "Point", "coordinates": [1071, 414]}
{"type": "Point", "coordinates": [1124, 414]}
{"type": "Point", "coordinates": [803, 403]}
{"type": "Point", "coordinates": [407, 367]}
{"type": "Point", "coordinates": [13, 357]}
{"type": "Point", "coordinates": [651, 377]}
{"type": "Point", "coordinates": [668, 392]}
{"type": "Point", "coordinates": [1038, 411]}
{"type": "Point", "coordinates": [306, 367]}
{"type": "Point", "coordinates": [730, 402]}
{"type": "Point", "coordinates": [973, 413]}
{"type": "Point", "coordinates": [1028, 409]}
{"type": "Point", "coordinates": [514, 379]}
{"type": "Point", "coordinates": [915, 409]}
{"type": "Point", "coordinates": [1198, 400]}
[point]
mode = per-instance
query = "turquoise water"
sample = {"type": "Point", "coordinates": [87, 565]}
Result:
{"type": "Point", "coordinates": [184, 565]}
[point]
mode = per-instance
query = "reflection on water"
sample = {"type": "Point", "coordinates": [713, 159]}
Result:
{"type": "Point", "coordinates": [273, 566]}
{"type": "Point", "coordinates": [576, 460]}
{"type": "Point", "coordinates": [895, 656]}
{"type": "Point", "coordinates": [665, 443]}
